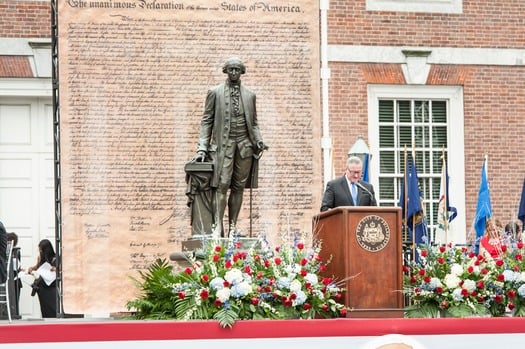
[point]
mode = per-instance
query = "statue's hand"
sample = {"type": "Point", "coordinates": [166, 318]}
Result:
{"type": "Point", "coordinates": [199, 157]}
{"type": "Point", "coordinates": [261, 146]}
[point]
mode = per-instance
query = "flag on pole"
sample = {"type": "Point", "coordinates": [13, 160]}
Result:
{"type": "Point", "coordinates": [484, 208]}
{"type": "Point", "coordinates": [414, 217]}
{"type": "Point", "coordinates": [365, 167]}
{"type": "Point", "coordinates": [521, 210]}
{"type": "Point", "coordinates": [446, 213]}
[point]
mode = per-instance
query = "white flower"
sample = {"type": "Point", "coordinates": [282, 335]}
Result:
{"type": "Point", "coordinates": [233, 276]}
{"type": "Point", "coordinates": [223, 294]}
{"type": "Point", "coordinates": [469, 285]}
{"type": "Point", "coordinates": [217, 283]}
{"type": "Point", "coordinates": [283, 282]}
{"type": "Point", "coordinates": [452, 281]}
{"type": "Point", "coordinates": [295, 286]}
{"type": "Point", "coordinates": [300, 299]}
{"type": "Point", "coordinates": [521, 291]}
{"type": "Point", "coordinates": [435, 283]}
{"type": "Point", "coordinates": [293, 269]}
{"type": "Point", "coordinates": [456, 269]}
{"type": "Point", "coordinates": [311, 278]}
{"type": "Point", "coordinates": [241, 289]}
{"type": "Point", "coordinates": [510, 275]}
{"type": "Point", "coordinates": [521, 277]}
{"type": "Point", "coordinates": [457, 295]}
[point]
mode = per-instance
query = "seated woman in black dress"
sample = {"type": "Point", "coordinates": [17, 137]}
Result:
{"type": "Point", "coordinates": [47, 294]}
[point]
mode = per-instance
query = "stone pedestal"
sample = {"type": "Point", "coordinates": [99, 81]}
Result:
{"type": "Point", "coordinates": [199, 193]}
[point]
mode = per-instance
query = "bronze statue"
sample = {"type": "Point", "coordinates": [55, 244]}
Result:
{"type": "Point", "coordinates": [231, 140]}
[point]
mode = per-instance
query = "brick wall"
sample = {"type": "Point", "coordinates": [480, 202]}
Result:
{"type": "Point", "coordinates": [25, 19]}
{"type": "Point", "coordinates": [483, 23]}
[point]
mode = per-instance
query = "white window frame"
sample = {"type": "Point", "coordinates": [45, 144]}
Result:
{"type": "Point", "coordinates": [456, 155]}
{"type": "Point", "coordinates": [425, 6]}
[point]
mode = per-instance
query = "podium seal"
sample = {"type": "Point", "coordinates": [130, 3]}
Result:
{"type": "Point", "coordinates": [372, 233]}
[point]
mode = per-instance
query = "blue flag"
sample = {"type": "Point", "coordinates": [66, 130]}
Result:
{"type": "Point", "coordinates": [413, 218]}
{"type": "Point", "coordinates": [365, 167]}
{"type": "Point", "coordinates": [521, 210]}
{"type": "Point", "coordinates": [484, 208]}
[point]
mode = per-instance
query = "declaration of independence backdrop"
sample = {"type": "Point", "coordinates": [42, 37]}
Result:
{"type": "Point", "coordinates": [133, 76]}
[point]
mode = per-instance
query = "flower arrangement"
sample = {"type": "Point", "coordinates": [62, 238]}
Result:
{"type": "Point", "coordinates": [457, 282]}
{"type": "Point", "coordinates": [228, 283]}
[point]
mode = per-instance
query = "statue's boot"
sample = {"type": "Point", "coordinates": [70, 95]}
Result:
{"type": "Point", "coordinates": [234, 208]}
{"type": "Point", "coordinates": [219, 207]}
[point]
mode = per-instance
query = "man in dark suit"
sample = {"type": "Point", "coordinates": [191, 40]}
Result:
{"type": "Point", "coordinates": [349, 189]}
{"type": "Point", "coordinates": [230, 138]}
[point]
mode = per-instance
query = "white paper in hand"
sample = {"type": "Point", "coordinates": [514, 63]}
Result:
{"type": "Point", "coordinates": [46, 274]}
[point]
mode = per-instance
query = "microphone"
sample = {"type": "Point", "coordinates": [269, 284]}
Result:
{"type": "Point", "coordinates": [367, 191]}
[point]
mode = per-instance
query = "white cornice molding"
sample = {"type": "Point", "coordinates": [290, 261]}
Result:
{"type": "Point", "coordinates": [438, 55]}
{"type": "Point", "coordinates": [26, 87]}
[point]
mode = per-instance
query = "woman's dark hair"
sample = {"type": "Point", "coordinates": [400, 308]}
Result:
{"type": "Point", "coordinates": [47, 253]}
{"type": "Point", "coordinates": [12, 237]}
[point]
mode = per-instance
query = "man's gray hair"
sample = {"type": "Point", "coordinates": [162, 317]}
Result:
{"type": "Point", "coordinates": [353, 160]}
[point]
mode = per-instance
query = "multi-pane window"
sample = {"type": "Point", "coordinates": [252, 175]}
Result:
{"type": "Point", "coordinates": [412, 128]}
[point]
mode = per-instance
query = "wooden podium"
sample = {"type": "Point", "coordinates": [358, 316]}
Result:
{"type": "Point", "coordinates": [364, 244]}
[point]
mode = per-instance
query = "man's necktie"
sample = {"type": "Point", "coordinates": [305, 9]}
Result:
{"type": "Point", "coordinates": [354, 193]}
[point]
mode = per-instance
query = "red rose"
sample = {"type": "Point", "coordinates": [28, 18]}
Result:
{"type": "Point", "coordinates": [439, 289]}
{"type": "Point", "coordinates": [406, 269]}
{"type": "Point", "coordinates": [204, 294]}
{"type": "Point", "coordinates": [255, 300]}
{"type": "Point", "coordinates": [500, 277]}
{"type": "Point", "coordinates": [300, 245]}
{"type": "Point", "coordinates": [510, 305]}
{"type": "Point", "coordinates": [277, 260]}
{"type": "Point", "coordinates": [424, 253]}
{"type": "Point", "coordinates": [266, 263]}
{"type": "Point", "coordinates": [228, 264]}
{"type": "Point", "coordinates": [520, 244]}
{"type": "Point", "coordinates": [503, 248]}
{"type": "Point", "coordinates": [441, 260]}
{"type": "Point", "coordinates": [327, 281]}
{"type": "Point", "coordinates": [511, 294]}
{"type": "Point", "coordinates": [181, 295]}
{"type": "Point", "coordinates": [218, 248]}
{"type": "Point", "coordinates": [343, 312]}
{"type": "Point", "coordinates": [293, 296]}
{"type": "Point", "coordinates": [480, 284]}
{"type": "Point", "coordinates": [427, 279]}
{"type": "Point", "coordinates": [217, 303]}
{"type": "Point", "coordinates": [216, 258]}
{"type": "Point", "coordinates": [187, 271]}
{"type": "Point", "coordinates": [226, 283]}
{"type": "Point", "coordinates": [205, 278]}
{"type": "Point", "coordinates": [303, 272]}
{"type": "Point", "coordinates": [518, 257]}
{"type": "Point", "coordinates": [306, 306]}
{"type": "Point", "coordinates": [322, 268]}
{"type": "Point", "coordinates": [421, 272]}
{"type": "Point", "coordinates": [470, 269]}
{"type": "Point", "coordinates": [304, 261]}
{"type": "Point", "coordinates": [499, 262]}
{"type": "Point", "coordinates": [484, 271]}
{"type": "Point", "coordinates": [259, 275]}
{"type": "Point", "coordinates": [444, 305]}
{"type": "Point", "coordinates": [464, 292]}
{"type": "Point", "coordinates": [325, 307]}
{"type": "Point", "coordinates": [498, 298]}
{"type": "Point", "coordinates": [277, 249]}
{"type": "Point", "coordinates": [338, 295]}
{"type": "Point", "coordinates": [442, 248]}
